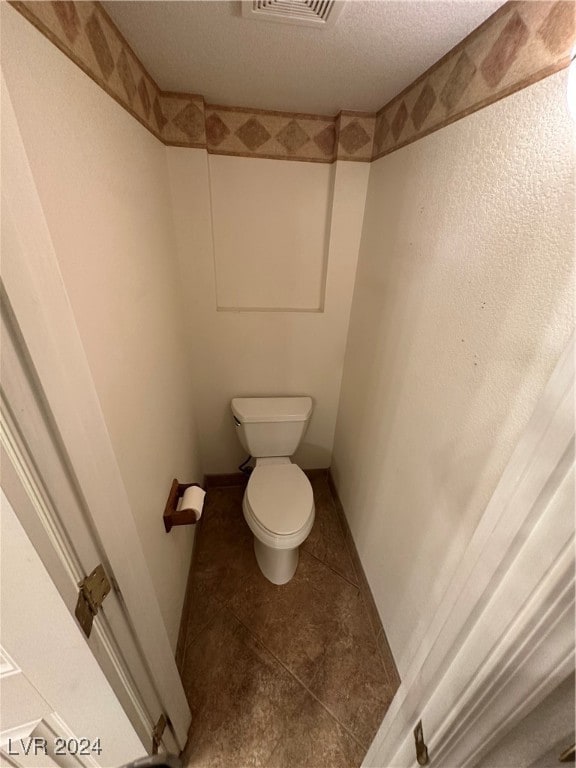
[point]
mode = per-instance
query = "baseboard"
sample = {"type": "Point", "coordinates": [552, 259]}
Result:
{"type": "Point", "coordinates": [239, 478]}
{"type": "Point", "coordinates": [186, 606]}
{"type": "Point", "coordinates": [317, 472]}
{"type": "Point", "coordinates": [225, 480]}
{"type": "Point", "coordinates": [366, 592]}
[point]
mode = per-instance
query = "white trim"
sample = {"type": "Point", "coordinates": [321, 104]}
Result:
{"type": "Point", "coordinates": [52, 727]}
{"type": "Point", "coordinates": [60, 684]}
{"type": "Point", "coordinates": [71, 568]}
{"type": "Point", "coordinates": [37, 295]}
{"type": "Point", "coordinates": [509, 607]}
{"type": "Point", "coordinates": [7, 664]}
{"type": "Point", "coordinates": [18, 732]}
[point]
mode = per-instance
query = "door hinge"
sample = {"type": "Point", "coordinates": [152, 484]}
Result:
{"type": "Point", "coordinates": [93, 590]}
{"type": "Point", "coordinates": [421, 748]}
{"type": "Point", "coordinates": [568, 756]}
{"type": "Point", "coordinates": [158, 732]}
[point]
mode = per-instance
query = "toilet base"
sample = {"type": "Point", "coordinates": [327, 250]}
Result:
{"type": "Point", "coordinates": [277, 565]}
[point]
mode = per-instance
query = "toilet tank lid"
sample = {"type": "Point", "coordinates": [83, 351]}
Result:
{"type": "Point", "coordinates": [271, 409]}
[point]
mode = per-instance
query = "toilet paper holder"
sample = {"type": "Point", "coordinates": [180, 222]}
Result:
{"type": "Point", "coordinates": [173, 516]}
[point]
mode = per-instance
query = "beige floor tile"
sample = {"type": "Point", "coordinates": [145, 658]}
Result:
{"type": "Point", "coordinates": [326, 540]}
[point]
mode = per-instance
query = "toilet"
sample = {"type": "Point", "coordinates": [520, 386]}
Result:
{"type": "Point", "coordinates": [278, 504]}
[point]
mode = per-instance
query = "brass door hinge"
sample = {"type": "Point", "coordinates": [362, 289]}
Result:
{"type": "Point", "coordinates": [158, 732]}
{"type": "Point", "coordinates": [569, 755]}
{"type": "Point", "coordinates": [93, 590]}
{"type": "Point", "coordinates": [421, 748]}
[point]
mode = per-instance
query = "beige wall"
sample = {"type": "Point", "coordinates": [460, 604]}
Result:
{"type": "Point", "coordinates": [265, 353]}
{"type": "Point", "coordinates": [271, 230]}
{"type": "Point", "coordinates": [462, 305]}
{"type": "Point", "coordinates": [103, 184]}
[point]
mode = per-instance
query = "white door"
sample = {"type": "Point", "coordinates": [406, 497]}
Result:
{"type": "Point", "coordinates": [502, 637]}
{"type": "Point", "coordinates": [59, 470]}
{"type": "Point", "coordinates": [58, 709]}
{"type": "Point", "coordinates": [40, 485]}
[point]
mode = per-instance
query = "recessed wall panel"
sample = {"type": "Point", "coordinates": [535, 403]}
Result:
{"type": "Point", "coordinates": [271, 233]}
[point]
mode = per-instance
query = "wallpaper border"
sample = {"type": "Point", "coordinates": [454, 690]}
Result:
{"type": "Point", "coordinates": [522, 42]}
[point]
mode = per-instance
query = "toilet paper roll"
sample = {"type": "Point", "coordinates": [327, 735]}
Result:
{"type": "Point", "coordinates": [193, 500]}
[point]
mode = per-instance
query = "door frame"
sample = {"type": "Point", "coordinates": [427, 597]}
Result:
{"type": "Point", "coordinates": [37, 479]}
{"type": "Point", "coordinates": [45, 692]}
{"type": "Point", "coordinates": [502, 636]}
{"type": "Point", "coordinates": [35, 290]}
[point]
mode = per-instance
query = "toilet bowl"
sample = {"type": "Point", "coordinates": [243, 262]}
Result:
{"type": "Point", "coordinates": [278, 506]}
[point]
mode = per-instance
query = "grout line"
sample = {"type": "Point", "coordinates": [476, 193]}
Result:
{"type": "Point", "coordinates": [221, 605]}
{"type": "Point", "coordinates": [226, 606]}
{"type": "Point", "coordinates": [330, 568]}
{"type": "Point", "coordinates": [193, 638]}
{"type": "Point", "coordinates": [393, 680]}
{"type": "Point", "coordinates": [375, 634]}
{"type": "Point", "coordinates": [188, 639]}
{"type": "Point", "coordinates": [300, 682]}
{"type": "Point", "coordinates": [186, 606]}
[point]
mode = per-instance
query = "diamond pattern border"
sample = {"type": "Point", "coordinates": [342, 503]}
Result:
{"type": "Point", "coordinates": [523, 42]}
{"type": "Point", "coordinates": [87, 35]}
{"type": "Point", "coordinates": [273, 135]}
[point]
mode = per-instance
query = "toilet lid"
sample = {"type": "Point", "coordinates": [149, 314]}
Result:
{"type": "Point", "coordinates": [280, 497]}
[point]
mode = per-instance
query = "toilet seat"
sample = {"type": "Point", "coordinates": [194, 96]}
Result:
{"type": "Point", "coordinates": [279, 505]}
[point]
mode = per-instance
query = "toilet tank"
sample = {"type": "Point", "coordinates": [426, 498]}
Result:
{"type": "Point", "coordinates": [271, 426]}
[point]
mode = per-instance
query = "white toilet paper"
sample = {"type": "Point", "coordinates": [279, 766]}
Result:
{"type": "Point", "coordinates": [193, 499]}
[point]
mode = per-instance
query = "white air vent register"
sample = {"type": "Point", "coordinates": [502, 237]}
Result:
{"type": "Point", "coordinates": [306, 13]}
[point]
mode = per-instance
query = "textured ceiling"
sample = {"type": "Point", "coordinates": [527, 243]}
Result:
{"type": "Point", "coordinates": [376, 49]}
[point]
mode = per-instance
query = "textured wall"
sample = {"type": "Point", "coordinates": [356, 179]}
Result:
{"type": "Point", "coordinates": [85, 32]}
{"type": "Point", "coordinates": [271, 227]}
{"type": "Point", "coordinates": [103, 184]}
{"type": "Point", "coordinates": [522, 42]}
{"type": "Point", "coordinates": [460, 310]}
{"type": "Point", "coordinates": [264, 353]}
{"type": "Point", "coordinates": [462, 305]}
{"type": "Point", "coordinates": [518, 45]}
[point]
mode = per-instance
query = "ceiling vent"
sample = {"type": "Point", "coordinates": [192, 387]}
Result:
{"type": "Point", "coordinates": [305, 13]}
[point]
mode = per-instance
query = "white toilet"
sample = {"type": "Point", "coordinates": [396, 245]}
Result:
{"type": "Point", "coordinates": [278, 504]}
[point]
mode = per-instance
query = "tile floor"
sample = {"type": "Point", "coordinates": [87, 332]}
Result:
{"type": "Point", "coordinates": [279, 676]}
